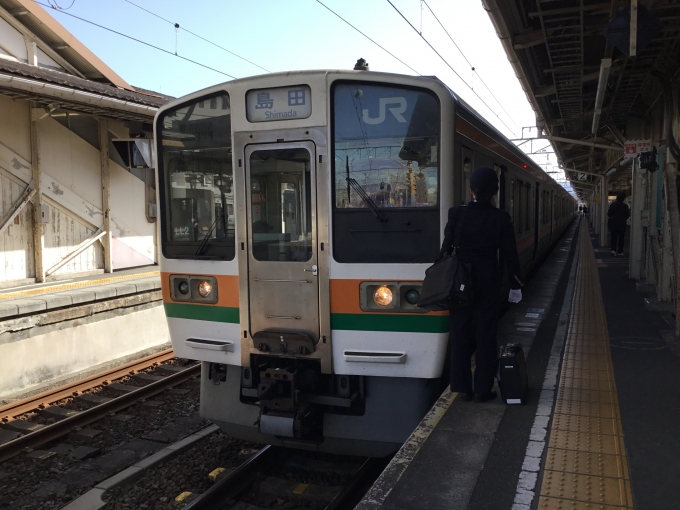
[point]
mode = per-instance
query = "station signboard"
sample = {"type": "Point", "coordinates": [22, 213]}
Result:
{"type": "Point", "coordinates": [634, 147]}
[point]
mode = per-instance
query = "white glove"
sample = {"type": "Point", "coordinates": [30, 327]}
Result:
{"type": "Point", "coordinates": [515, 295]}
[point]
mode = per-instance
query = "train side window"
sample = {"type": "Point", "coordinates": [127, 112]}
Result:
{"type": "Point", "coordinates": [495, 199]}
{"type": "Point", "coordinates": [466, 174]}
{"type": "Point", "coordinates": [520, 205]}
{"type": "Point", "coordinates": [527, 207]}
{"type": "Point", "coordinates": [196, 179]}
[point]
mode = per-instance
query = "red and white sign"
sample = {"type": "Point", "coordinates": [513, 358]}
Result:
{"type": "Point", "coordinates": [634, 147]}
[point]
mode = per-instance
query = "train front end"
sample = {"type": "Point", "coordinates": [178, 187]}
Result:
{"type": "Point", "coordinates": [299, 212]}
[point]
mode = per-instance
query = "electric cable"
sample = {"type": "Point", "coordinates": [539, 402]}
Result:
{"type": "Point", "coordinates": [374, 42]}
{"type": "Point", "coordinates": [135, 39]}
{"type": "Point", "coordinates": [179, 27]}
{"type": "Point", "coordinates": [474, 70]}
{"type": "Point", "coordinates": [57, 6]}
{"type": "Point", "coordinates": [449, 65]}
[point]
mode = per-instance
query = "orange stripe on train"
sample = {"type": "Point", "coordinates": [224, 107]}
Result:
{"type": "Point", "coordinates": [345, 297]}
{"type": "Point", "coordinates": [227, 289]}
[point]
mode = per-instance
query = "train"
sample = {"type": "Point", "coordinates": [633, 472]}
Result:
{"type": "Point", "coordinates": [298, 213]}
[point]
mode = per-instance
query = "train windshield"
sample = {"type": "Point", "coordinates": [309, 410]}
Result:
{"type": "Point", "coordinates": [386, 146]}
{"type": "Point", "coordinates": [196, 174]}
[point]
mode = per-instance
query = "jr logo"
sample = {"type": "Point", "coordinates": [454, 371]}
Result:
{"type": "Point", "coordinates": [396, 111]}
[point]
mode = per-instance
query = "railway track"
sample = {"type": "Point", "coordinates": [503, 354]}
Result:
{"type": "Point", "coordinates": [238, 488]}
{"type": "Point", "coordinates": [32, 435]}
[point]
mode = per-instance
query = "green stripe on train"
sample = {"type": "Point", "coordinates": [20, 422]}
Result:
{"type": "Point", "coordinates": [202, 312]}
{"type": "Point", "coordinates": [383, 322]}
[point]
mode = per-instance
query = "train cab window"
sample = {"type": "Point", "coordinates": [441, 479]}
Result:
{"type": "Point", "coordinates": [196, 180]}
{"type": "Point", "coordinates": [385, 173]}
{"type": "Point", "coordinates": [281, 205]}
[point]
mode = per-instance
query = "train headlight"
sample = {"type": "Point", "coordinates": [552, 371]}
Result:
{"type": "Point", "coordinates": [412, 296]}
{"type": "Point", "coordinates": [383, 296]}
{"type": "Point", "coordinates": [204, 288]}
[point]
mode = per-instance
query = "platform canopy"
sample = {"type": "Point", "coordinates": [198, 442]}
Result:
{"type": "Point", "coordinates": [584, 74]}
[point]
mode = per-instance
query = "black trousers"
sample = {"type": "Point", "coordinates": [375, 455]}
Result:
{"type": "Point", "coordinates": [617, 240]}
{"type": "Point", "coordinates": [474, 330]}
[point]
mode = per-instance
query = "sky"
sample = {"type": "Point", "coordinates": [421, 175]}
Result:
{"type": "Point", "coordinates": [288, 35]}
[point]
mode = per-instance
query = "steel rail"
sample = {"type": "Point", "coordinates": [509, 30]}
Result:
{"type": "Point", "coordinates": [351, 493]}
{"type": "Point", "coordinates": [42, 400]}
{"type": "Point", "coordinates": [232, 484]}
{"type": "Point", "coordinates": [63, 427]}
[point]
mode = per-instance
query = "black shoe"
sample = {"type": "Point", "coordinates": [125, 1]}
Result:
{"type": "Point", "coordinates": [485, 398]}
{"type": "Point", "coordinates": [467, 396]}
{"type": "Point", "coordinates": [619, 254]}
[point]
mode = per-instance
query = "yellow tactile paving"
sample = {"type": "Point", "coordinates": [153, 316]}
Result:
{"type": "Point", "coordinates": [590, 424]}
{"type": "Point", "coordinates": [586, 465]}
{"type": "Point", "coordinates": [586, 408]}
{"type": "Point", "coordinates": [75, 285]}
{"type": "Point", "coordinates": [605, 396]}
{"type": "Point", "coordinates": [571, 504]}
{"type": "Point", "coordinates": [587, 384]}
{"type": "Point", "coordinates": [589, 489]}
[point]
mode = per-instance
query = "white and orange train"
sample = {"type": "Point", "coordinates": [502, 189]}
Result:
{"type": "Point", "coordinates": [299, 212]}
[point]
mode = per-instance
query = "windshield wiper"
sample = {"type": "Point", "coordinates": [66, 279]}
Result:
{"type": "Point", "coordinates": [204, 242]}
{"type": "Point", "coordinates": [367, 200]}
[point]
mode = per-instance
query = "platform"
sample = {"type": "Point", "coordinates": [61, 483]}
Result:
{"type": "Point", "coordinates": [52, 330]}
{"type": "Point", "coordinates": [599, 428]}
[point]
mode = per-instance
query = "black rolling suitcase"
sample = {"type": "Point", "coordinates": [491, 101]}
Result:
{"type": "Point", "coordinates": [512, 374]}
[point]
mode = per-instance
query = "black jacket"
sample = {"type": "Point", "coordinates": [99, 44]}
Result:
{"type": "Point", "coordinates": [618, 214]}
{"type": "Point", "coordinates": [486, 231]}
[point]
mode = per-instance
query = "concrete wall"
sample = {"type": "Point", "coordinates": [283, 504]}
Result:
{"type": "Point", "coordinates": [37, 358]}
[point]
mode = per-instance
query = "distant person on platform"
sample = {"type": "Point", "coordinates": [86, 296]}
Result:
{"type": "Point", "coordinates": [486, 232]}
{"type": "Point", "coordinates": [618, 214]}
{"type": "Point", "coordinates": [580, 209]}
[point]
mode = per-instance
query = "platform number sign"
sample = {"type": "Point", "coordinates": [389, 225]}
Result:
{"type": "Point", "coordinates": [582, 176]}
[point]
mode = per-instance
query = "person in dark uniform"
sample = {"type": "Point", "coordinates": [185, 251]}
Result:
{"type": "Point", "coordinates": [618, 214]}
{"type": "Point", "coordinates": [486, 231]}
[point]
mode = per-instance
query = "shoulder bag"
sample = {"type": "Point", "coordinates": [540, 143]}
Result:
{"type": "Point", "coordinates": [448, 282]}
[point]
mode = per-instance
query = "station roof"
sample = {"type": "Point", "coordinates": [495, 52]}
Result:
{"type": "Point", "coordinates": [67, 74]}
{"type": "Point", "coordinates": [558, 47]}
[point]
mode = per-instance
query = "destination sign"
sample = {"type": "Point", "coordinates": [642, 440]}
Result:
{"type": "Point", "coordinates": [281, 103]}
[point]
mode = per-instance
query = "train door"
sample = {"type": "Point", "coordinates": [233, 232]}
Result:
{"type": "Point", "coordinates": [282, 253]}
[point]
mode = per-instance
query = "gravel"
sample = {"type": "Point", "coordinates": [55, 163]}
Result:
{"type": "Point", "coordinates": [30, 482]}
{"type": "Point", "coordinates": [160, 485]}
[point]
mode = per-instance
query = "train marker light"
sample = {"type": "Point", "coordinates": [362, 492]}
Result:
{"type": "Point", "coordinates": [183, 287]}
{"type": "Point", "coordinates": [383, 296]}
{"type": "Point", "coordinates": [204, 288]}
{"type": "Point", "coordinates": [412, 296]}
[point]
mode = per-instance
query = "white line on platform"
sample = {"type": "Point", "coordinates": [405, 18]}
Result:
{"type": "Point", "coordinates": [526, 485]}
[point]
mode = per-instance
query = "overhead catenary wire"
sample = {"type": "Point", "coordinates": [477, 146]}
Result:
{"type": "Point", "coordinates": [448, 65]}
{"type": "Point", "coordinates": [135, 39]}
{"type": "Point", "coordinates": [373, 41]}
{"type": "Point", "coordinates": [179, 27]}
{"type": "Point", "coordinates": [57, 6]}
{"type": "Point", "coordinates": [468, 61]}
